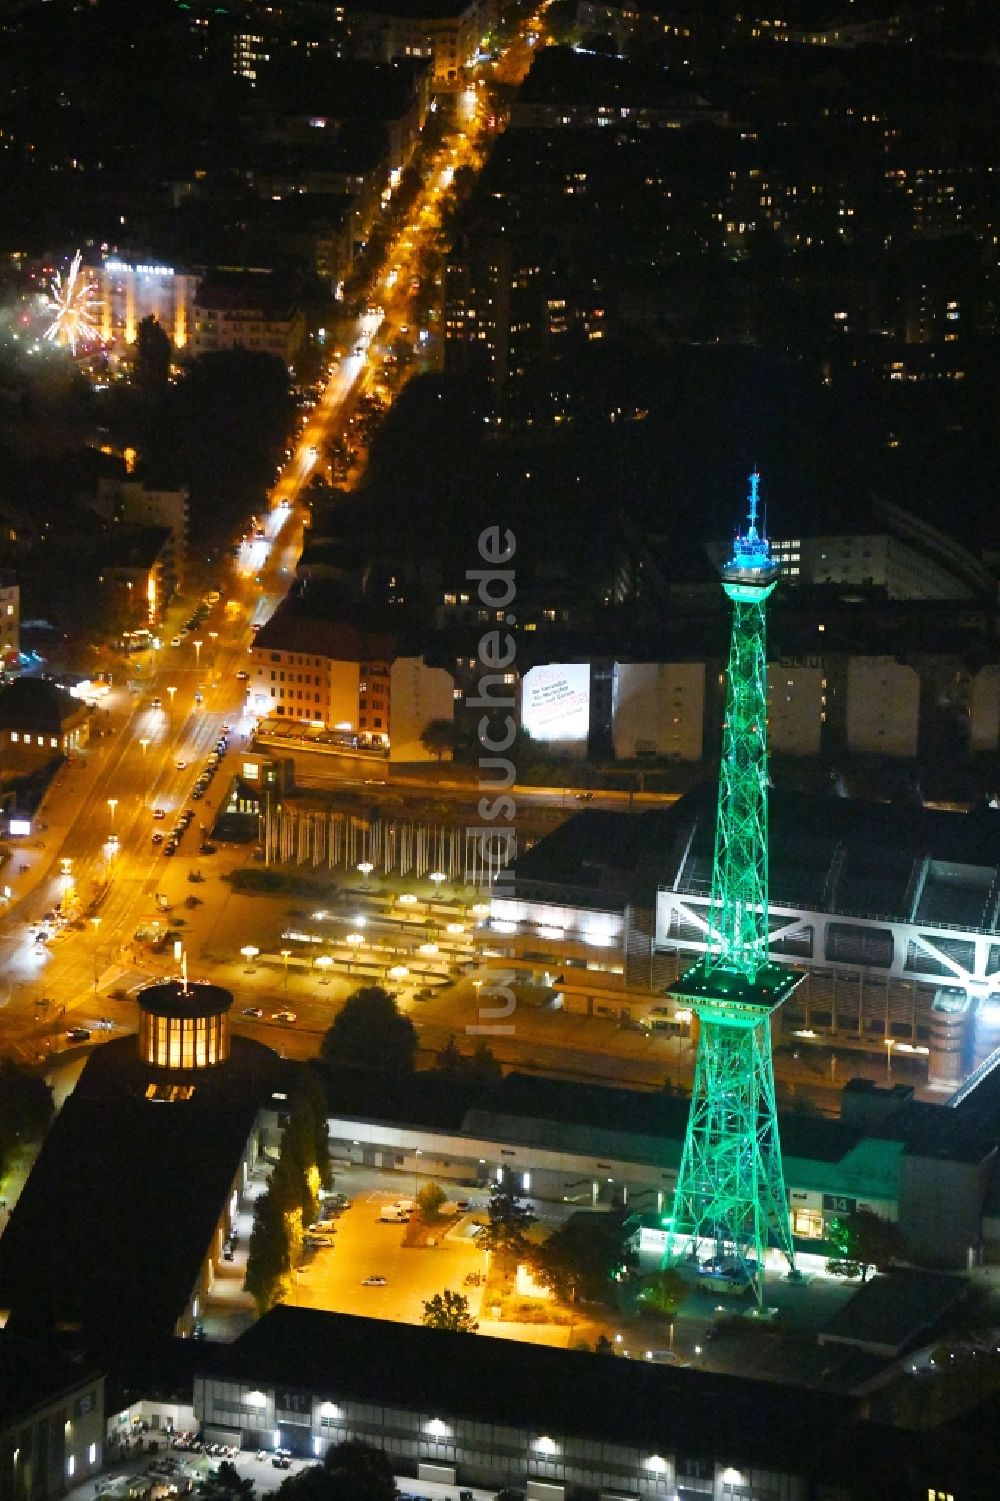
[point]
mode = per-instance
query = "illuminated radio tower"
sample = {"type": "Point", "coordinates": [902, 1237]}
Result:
{"type": "Point", "coordinates": [730, 1196]}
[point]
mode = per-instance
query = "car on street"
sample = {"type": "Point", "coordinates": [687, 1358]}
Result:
{"type": "Point", "coordinates": [252, 1011]}
{"type": "Point", "coordinates": [281, 1462]}
{"type": "Point", "coordinates": [157, 837]}
{"type": "Point", "coordinates": [182, 766]}
{"type": "Point", "coordinates": [175, 641]}
{"type": "Point", "coordinates": [156, 703]}
{"type": "Point", "coordinates": [242, 676]}
{"type": "Point", "coordinates": [170, 848]}
{"type": "Point", "coordinates": [77, 1034]}
{"type": "Point", "coordinates": [374, 1282]}
{"type": "Point", "coordinates": [287, 1017]}
{"type": "Point", "coordinates": [159, 813]}
{"type": "Point", "coordinates": [205, 848]}
{"type": "Point", "coordinates": [198, 793]}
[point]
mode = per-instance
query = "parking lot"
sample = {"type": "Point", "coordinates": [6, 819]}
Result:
{"type": "Point", "coordinates": [119, 1482]}
{"type": "Point", "coordinates": [333, 1277]}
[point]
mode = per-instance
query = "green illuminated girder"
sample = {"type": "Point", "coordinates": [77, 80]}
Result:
{"type": "Point", "coordinates": [730, 1197]}
{"type": "Point", "coordinates": [730, 1194]}
{"type": "Point", "coordinates": [738, 914]}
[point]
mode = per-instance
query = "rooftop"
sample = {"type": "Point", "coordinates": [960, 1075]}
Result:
{"type": "Point", "coordinates": [844, 855]}
{"type": "Point", "coordinates": [114, 1221]}
{"type": "Point", "coordinates": [34, 1373]}
{"type": "Point", "coordinates": [36, 704]}
{"type": "Point", "coordinates": [523, 1385]}
{"type": "Point", "coordinates": [291, 628]}
{"type": "Point", "coordinates": [893, 1312]}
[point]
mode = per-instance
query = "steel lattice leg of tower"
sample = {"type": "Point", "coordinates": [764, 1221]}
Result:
{"type": "Point", "coordinates": [730, 1196]}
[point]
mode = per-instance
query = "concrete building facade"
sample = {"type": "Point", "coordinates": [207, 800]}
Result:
{"type": "Point", "coordinates": [658, 709]}
{"type": "Point", "coordinates": [883, 707]}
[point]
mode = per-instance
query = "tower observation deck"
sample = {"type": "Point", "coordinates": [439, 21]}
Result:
{"type": "Point", "coordinates": [730, 1197]}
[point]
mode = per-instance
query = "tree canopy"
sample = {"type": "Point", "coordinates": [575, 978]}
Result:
{"type": "Point", "coordinates": [581, 1258]}
{"type": "Point", "coordinates": [225, 1483]}
{"type": "Point", "coordinates": [863, 1240]}
{"type": "Point", "coordinates": [506, 1229]}
{"type": "Point", "coordinates": [449, 1310]}
{"type": "Point", "coordinates": [438, 737]}
{"type": "Point", "coordinates": [268, 1259]}
{"type": "Point", "coordinates": [370, 1031]}
{"type": "Point", "coordinates": [429, 1200]}
{"type": "Point", "coordinates": [480, 1067]}
{"type": "Point", "coordinates": [359, 1472]}
{"type": "Point", "coordinates": [664, 1292]}
{"type": "Point", "coordinates": [25, 1107]}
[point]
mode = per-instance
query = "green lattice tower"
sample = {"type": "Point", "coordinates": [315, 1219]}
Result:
{"type": "Point", "coordinates": [730, 1196]}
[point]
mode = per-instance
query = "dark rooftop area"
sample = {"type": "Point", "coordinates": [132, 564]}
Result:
{"type": "Point", "coordinates": [36, 704]}
{"type": "Point", "coordinates": [33, 1372]}
{"type": "Point", "coordinates": [609, 855]}
{"type": "Point", "coordinates": [502, 1381]}
{"type": "Point", "coordinates": [115, 1219]}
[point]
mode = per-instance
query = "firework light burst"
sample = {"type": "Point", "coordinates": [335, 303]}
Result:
{"type": "Point", "coordinates": [73, 303]}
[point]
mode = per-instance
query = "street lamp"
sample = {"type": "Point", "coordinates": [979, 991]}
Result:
{"type": "Point", "coordinates": [97, 926]}
{"type": "Point", "coordinates": [171, 692]}
{"type": "Point", "coordinates": [366, 867]}
{"type": "Point", "coordinates": [416, 1166]}
{"type": "Point", "coordinates": [324, 963]}
{"type": "Point", "coordinates": [355, 940]}
{"type": "Point", "coordinates": [197, 653]}
{"type": "Point", "coordinates": [890, 1043]}
{"type": "Point", "coordinates": [112, 804]}
{"type": "Point", "coordinates": [286, 954]}
{"type": "Point", "coordinates": [144, 743]}
{"type": "Point", "coordinates": [398, 972]}
{"type": "Point", "coordinates": [437, 876]}
{"type": "Point", "coordinates": [249, 953]}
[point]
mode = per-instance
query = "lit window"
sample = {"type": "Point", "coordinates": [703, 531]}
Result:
{"type": "Point", "coordinates": [15, 736]}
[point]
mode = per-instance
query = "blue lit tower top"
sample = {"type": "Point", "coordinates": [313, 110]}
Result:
{"type": "Point", "coordinates": [751, 573]}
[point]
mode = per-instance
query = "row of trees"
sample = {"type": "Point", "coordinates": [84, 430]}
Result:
{"type": "Point", "coordinates": [25, 1108]}
{"type": "Point", "coordinates": [292, 1198]}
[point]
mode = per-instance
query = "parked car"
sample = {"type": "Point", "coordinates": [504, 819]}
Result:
{"type": "Point", "coordinates": [252, 1011]}
{"type": "Point", "coordinates": [287, 1017]}
{"type": "Point", "coordinates": [77, 1034]}
{"type": "Point", "coordinates": [374, 1282]}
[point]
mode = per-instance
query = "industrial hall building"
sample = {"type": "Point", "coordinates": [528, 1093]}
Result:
{"type": "Point", "coordinates": [890, 910]}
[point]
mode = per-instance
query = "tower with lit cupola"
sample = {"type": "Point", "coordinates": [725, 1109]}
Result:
{"type": "Point", "coordinates": [730, 1202]}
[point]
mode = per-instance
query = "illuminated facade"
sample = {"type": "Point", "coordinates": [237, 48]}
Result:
{"type": "Point", "coordinates": [130, 291]}
{"type": "Point", "coordinates": [184, 1024]}
{"type": "Point", "coordinates": [10, 624]}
